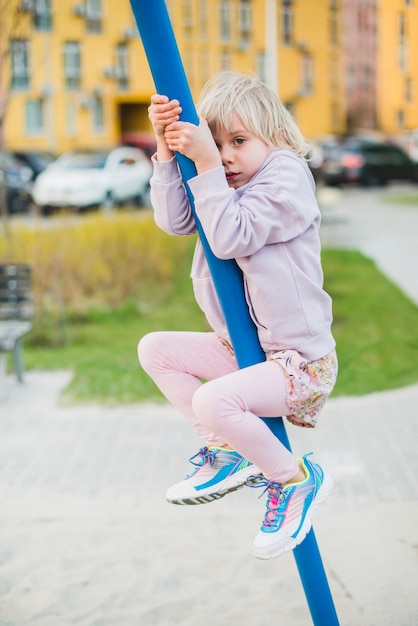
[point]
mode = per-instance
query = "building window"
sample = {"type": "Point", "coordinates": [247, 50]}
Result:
{"type": "Point", "coordinates": [408, 90]}
{"type": "Point", "coordinates": [287, 22]}
{"type": "Point", "coordinates": [189, 59]}
{"type": "Point", "coordinates": [19, 49]}
{"type": "Point", "coordinates": [94, 16]}
{"type": "Point", "coordinates": [335, 117]}
{"type": "Point", "coordinates": [244, 23]}
{"type": "Point", "coordinates": [260, 66]}
{"type": "Point", "coordinates": [122, 66]}
{"type": "Point", "coordinates": [307, 75]}
{"type": "Point", "coordinates": [97, 113]}
{"type": "Point", "coordinates": [225, 25]}
{"type": "Point", "coordinates": [71, 118]}
{"type": "Point", "coordinates": [333, 22]}
{"type": "Point", "coordinates": [402, 42]}
{"type": "Point", "coordinates": [334, 75]}
{"type": "Point", "coordinates": [400, 118]}
{"type": "Point", "coordinates": [290, 106]}
{"type": "Point", "coordinates": [72, 65]}
{"type": "Point", "coordinates": [187, 19]}
{"type": "Point", "coordinates": [42, 17]}
{"type": "Point", "coordinates": [203, 20]}
{"type": "Point", "coordinates": [34, 117]}
{"type": "Point", "coordinates": [224, 60]}
{"type": "Point", "coordinates": [204, 65]}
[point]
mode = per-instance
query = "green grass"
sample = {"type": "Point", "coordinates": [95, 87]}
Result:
{"type": "Point", "coordinates": [403, 199]}
{"type": "Point", "coordinates": [375, 326]}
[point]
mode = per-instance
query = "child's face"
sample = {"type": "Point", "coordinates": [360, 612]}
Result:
{"type": "Point", "coordinates": [242, 153]}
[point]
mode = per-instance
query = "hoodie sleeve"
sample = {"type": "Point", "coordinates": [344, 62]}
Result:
{"type": "Point", "coordinates": [172, 210]}
{"type": "Point", "coordinates": [276, 205]}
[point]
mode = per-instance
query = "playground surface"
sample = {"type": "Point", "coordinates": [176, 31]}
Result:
{"type": "Point", "coordinates": [87, 538]}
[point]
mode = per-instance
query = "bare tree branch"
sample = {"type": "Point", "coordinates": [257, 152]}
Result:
{"type": "Point", "coordinates": [13, 25]}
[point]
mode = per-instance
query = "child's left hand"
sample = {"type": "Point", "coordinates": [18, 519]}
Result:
{"type": "Point", "coordinates": [194, 142]}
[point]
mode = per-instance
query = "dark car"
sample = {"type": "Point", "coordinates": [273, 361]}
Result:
{"type": "Point", "coordinates": [368, 163]}
{"type": "Point", "coordinates": [38, 161]}
{"type": "Point", "coordinates": [15, 176]}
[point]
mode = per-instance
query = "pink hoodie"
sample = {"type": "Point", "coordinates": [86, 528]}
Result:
{"type": "Point", "coordinates": [270, 226]}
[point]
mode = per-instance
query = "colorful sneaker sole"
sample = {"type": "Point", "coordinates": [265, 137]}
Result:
{"type": "Point", "coordinates": [185, 494]}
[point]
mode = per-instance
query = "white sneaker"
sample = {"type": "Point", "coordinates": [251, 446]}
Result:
{"type": "Point", "coordinates": [289, 510]}
{"type": "Point", "coordinates": [218, 471]}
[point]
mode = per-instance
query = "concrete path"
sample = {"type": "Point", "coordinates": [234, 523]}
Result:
{"type": "Point", "coordinates": [386, 232]}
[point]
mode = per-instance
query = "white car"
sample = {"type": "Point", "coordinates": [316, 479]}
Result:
{"type": "Point", "coordinates": [84, 179]}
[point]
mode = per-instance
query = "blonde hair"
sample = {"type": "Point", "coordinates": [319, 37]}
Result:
{"type": "Point", "coordinates": [257, 106]}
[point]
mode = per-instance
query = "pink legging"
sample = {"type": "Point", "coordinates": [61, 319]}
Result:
{"type": "Point", "coordinates": [225, 409]}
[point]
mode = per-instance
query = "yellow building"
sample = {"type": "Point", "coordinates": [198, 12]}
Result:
{"type": "Point", "coordinates": [397, 67]}
{"type": "Point", "coordinates": [77, 70]}
{"type": "Point", "coordinates": [79, 76]}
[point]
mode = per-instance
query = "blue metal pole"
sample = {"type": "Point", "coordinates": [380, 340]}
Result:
{"type": "Point", "coordinates": [170, 79]}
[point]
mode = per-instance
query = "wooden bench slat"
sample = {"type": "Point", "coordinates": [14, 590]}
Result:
{"type": "Point", "coordinates": [16, 310]}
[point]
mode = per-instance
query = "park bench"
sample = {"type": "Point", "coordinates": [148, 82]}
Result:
{"type": "Point", "coordinates": [16, 313]}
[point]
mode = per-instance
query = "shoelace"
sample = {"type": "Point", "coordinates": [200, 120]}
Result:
{"type": "Point", "coordinates": [275, 496]}
{"type": "Point", "coordinates": [204, 456]}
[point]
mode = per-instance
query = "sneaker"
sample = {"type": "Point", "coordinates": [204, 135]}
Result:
{"type": "Point", "coordinates": [217, 472]}
{"type": "Point", "coordinates": [289, 511]}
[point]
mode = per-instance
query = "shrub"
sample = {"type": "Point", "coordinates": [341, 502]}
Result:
{"type": "Point", "coordinates": [90, 262]}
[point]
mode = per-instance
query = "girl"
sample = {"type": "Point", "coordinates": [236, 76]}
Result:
{"type": "Point", "coordinates": [255, 197]}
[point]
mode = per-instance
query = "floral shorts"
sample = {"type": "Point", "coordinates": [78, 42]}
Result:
{"type": "Point", "coordinates": [308, 384]}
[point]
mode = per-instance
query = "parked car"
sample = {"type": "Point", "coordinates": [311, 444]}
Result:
{"type": "Point", "coordinates": [37, 161]}
{"type": "Point", "coordinates": [85, 179]}
{"type": "Point", "coordinates": [15, 177]}
{"type": "Point", "coordinates": [142, 140]}
{"type": "Point", "coordinates": [368, 163]}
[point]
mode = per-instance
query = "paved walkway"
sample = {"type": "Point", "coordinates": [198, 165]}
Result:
{"type": "Point", "coordinates": [386, 232]}
{"type": "Point", "coordinates": [86, 537]}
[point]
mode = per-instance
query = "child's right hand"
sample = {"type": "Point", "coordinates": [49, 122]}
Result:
{"type": "Point", "coordinates": [163, 112]}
